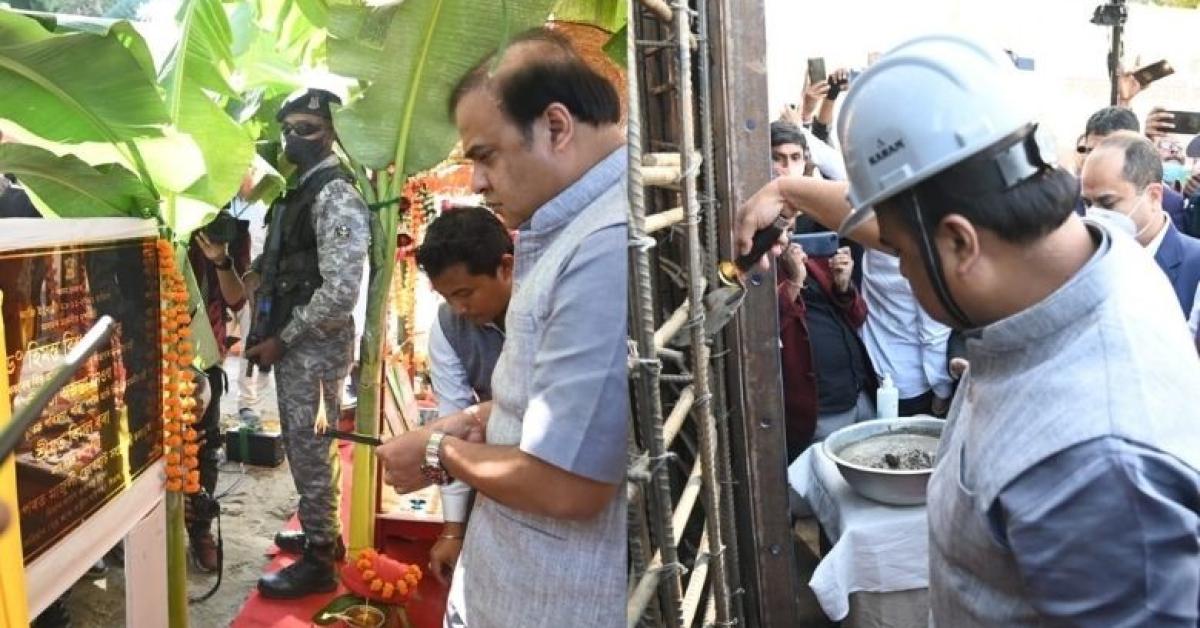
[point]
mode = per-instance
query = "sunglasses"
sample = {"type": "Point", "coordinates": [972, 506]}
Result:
{"type": "Point", "coordinates": [301, 129]}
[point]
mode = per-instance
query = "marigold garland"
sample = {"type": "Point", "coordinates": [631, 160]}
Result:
{"type": "Point", "coordinates": [178, 386]}
{"type": "Point", "coordinates": [380, 578]}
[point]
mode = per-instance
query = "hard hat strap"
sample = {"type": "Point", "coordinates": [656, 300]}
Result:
{"type": "Point", "coordinates": [932, 261]}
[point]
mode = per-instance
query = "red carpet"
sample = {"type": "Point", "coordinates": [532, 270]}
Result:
{"type": "Point", "coordinates": [406, 542]}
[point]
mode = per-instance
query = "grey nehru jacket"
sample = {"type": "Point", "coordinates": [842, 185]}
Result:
{"type": "Point", "coordinates": [1066, 488]}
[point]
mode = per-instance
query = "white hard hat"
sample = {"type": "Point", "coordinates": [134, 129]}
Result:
{"type": "Point", "coordinates": [927, 105]}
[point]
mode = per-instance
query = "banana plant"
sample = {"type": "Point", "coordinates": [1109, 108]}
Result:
{"type": "Point", "coordinates": [409, 56]}
{"type": "Point", "coordinates": [80, 87]}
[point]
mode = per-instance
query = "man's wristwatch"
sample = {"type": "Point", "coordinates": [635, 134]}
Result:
{"type": "Point", "coordinates": [433, 469]}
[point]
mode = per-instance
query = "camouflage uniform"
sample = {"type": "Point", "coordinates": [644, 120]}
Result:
{"type": "Point", "coordinates": [319, 339]}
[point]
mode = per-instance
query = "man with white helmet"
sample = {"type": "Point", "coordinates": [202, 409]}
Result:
{"type": "Point", "coordinates": [1067, 488]}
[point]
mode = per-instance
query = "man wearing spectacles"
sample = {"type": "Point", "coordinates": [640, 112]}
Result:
{"type": "Point", "coordinates": [1110, 120]}
{"type": "Point", "coordinates": [317, 244]}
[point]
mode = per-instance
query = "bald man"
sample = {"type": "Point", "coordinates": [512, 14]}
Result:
{"type": "Point", "coordinates": [1122, 179]}
{"type": "Point", "coordinates": [546, 541]}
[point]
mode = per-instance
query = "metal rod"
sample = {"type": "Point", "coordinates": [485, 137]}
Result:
{"type": "Point", "coordinates": [678, 414]}
{"type": "Point", "coordinates": [661, 176]}
{"type": "Point", "coordinates": [24, 416]}
{"type": "Point", "coordinates": [709, 208]}
{"type": "Point", "coordinates": [695, 587]}
{"type": "Point", "coordinates": [642, 594]}
{"type": "Point", "coordinates": [671, 326]}
{"type": "Point", "coordinates": [658, 8]}
{"type": "Point", "coordinates": [687, 503]}
{"type": "Point", "coordinates": [662, 220]}
{"type": "Point", "coordinates": [706, 424]}
{"type": "Point", "coordinates": [649, 416]}
{"type": "Point", "coordinates": [661, 159]}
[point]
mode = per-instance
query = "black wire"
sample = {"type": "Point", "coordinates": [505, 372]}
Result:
{"type": "Point", "coordinates": [220, 563]}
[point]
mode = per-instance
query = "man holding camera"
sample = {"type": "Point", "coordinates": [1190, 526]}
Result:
{"type": "Point", "coordinates": [219, 254]}
{"type": "Point", "coordinates": [1067, 475]}
{"type": "Point", "coordinates": [310, 272]}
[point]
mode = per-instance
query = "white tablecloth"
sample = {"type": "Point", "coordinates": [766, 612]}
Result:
{"type": "Point", "coordinates": [876, 547]}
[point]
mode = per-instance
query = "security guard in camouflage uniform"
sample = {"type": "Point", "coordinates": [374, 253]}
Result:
{"type": "Point", "coordinates": [322, 239]}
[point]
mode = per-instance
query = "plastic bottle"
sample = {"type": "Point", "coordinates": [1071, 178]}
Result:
{"type": "Point", "coordinates": [887, 399]}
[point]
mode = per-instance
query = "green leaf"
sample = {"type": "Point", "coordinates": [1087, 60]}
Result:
{"type": "Point", "coordinates": [227, 148]}
{"type": "Point", "coordinates": [70, 188]}
{"type": "Point", "coordinates": [317, 12]}
{"type": "Point", "coordinates": [611, 15]}
{"type": "Point", "coordinates": [411, 55]}
{"type": "Point", "coordinates": [617, 47]}
{"type": "Point", "coordinates": [75, 88]}
{"type": "Point", "coordinates": [124, 32]}
{"type": "Point", "coordinates": [203, 57]}
{"type": "Point", "coordinates": [174, 161]}
{"type": "Point", "coordinates": [197, 67]}
{"type": "Point", "coordinates": [328, 615]}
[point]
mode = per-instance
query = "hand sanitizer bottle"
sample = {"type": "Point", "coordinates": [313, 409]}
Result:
{"type": "Point", "coordinates": [887, 399]}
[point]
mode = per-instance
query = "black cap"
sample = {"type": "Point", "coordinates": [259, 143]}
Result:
{"type": "Point", "coordinates": [312, 101]}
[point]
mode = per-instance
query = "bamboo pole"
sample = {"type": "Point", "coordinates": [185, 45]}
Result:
{"type": "Point", "coordinates": [177, 598]}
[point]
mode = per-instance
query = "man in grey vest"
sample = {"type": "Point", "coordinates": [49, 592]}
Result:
{"type": "Point", "coordinates": [310, 273]}
{"type": "Point", "coordinates": [468, 256]}
{"type": "Point", "coordinates": [1067, 485]}
{"type": "Point", "coordinates": [546, 544]}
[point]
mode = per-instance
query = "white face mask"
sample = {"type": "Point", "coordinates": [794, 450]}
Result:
{"type": "Point", "coordinates": [1117, 219]}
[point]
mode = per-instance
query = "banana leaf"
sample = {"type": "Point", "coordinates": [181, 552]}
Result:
{"type": "Point", "coordinates": [610, 15]}
{"type": "Point", "coordinates": [67, 187]}
{"type": "Point", "coordinates": [198, 66]}
{"type": "Point", "coordinates": [125, 32]}
{"type": "Point", "coordinates": [616, 48]}
{"type": "Point", "coordinates": [411, 55]}
{"type": "Point", "coordinates": [173, 160]}
{"type": "Point", "coordinates": [76, 87]}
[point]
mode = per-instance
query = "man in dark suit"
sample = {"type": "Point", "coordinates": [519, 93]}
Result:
{"type": "Point", "coordinates": [1111, 120]}
{"type": "Point", "coordinates": [1123, 175]}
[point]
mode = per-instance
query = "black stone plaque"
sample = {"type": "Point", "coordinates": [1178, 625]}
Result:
{"type": "Point", "coordinates": [105, 427]}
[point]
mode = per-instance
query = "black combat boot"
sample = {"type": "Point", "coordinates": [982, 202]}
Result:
{"type": "Point", "coordinates": [315, 572]}
{"type": "Point", "coordinates": [292, 542]}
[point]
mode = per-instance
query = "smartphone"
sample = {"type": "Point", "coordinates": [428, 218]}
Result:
{"type": "Point", "coordinates": [816, 70]}
{"type": "Point", "coordinates": [820, 244]}
{"type": "Point", "coordinates": [1153, 72]}
{"type": "Point", "coordinates": [1186, 122]}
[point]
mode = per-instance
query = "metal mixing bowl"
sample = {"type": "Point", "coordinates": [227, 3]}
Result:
{"type": "Point", "coordinates": [895, 487]}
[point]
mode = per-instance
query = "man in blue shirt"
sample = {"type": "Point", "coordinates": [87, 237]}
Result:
{"type": "Point", "coordinates": [547, 540]}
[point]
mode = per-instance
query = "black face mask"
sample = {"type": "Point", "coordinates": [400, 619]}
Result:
{"type": "Point", "coordinates": [304, 152]}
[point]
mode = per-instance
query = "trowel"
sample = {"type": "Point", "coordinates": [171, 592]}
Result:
{"type": "Point", "coordinates": [722, 304]}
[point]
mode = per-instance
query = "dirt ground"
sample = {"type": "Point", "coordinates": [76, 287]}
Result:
{"type": "Point", "coordinates": [255, 503]}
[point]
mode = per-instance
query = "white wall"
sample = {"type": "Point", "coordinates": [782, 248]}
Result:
{"type": "Point", "coordinates": [1071, 53]}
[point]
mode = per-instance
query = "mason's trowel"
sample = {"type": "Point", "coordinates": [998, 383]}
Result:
{"type": "Point", "coordinates": [722, 304]}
